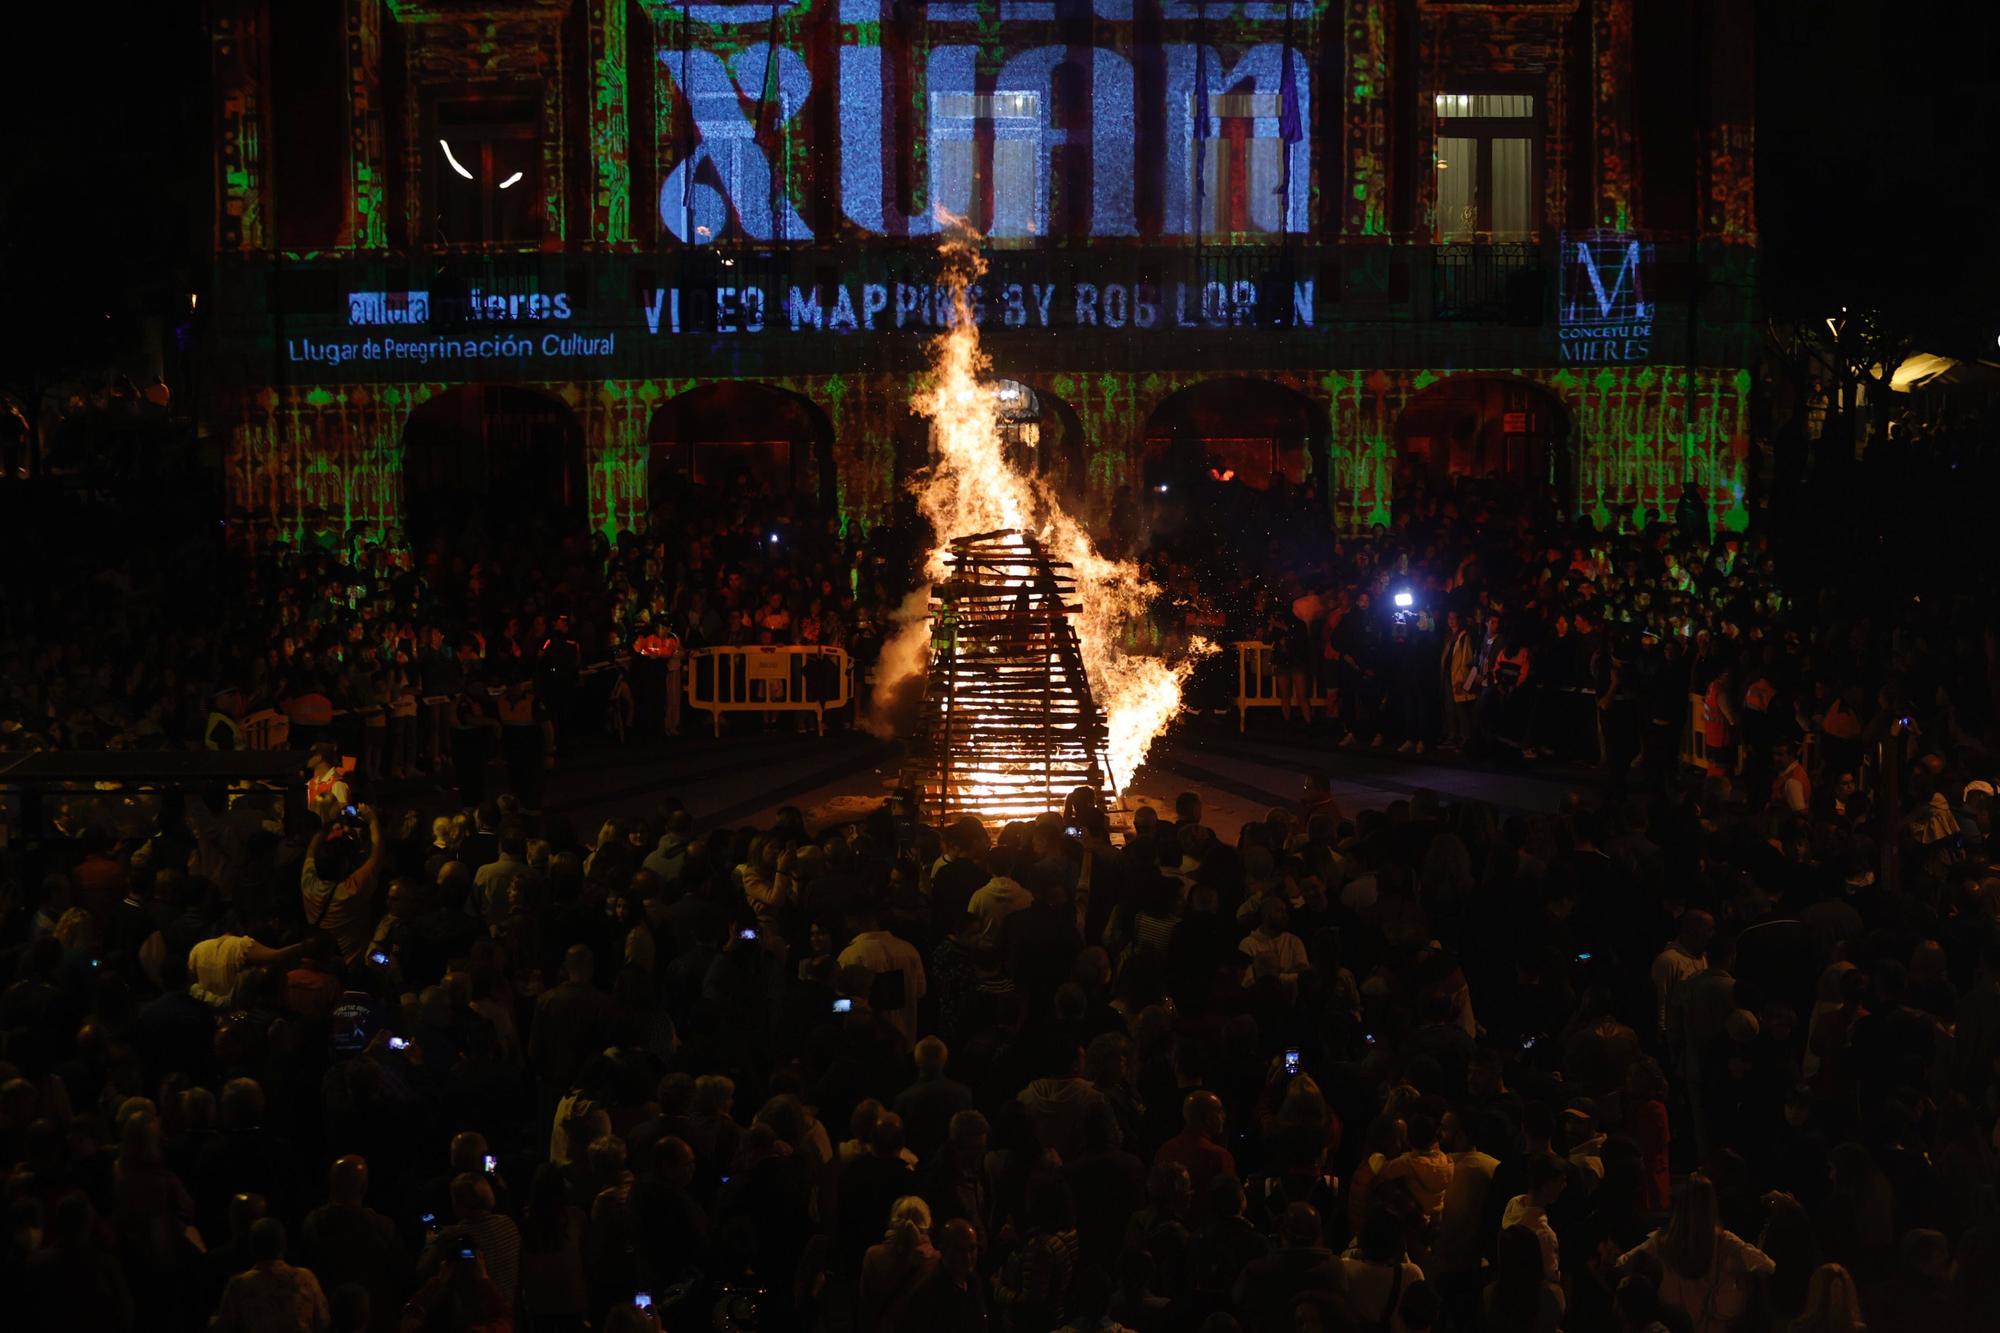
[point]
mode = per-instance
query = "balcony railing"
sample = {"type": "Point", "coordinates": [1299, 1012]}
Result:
{"type": "Point", "coordinates": [1498, 283]}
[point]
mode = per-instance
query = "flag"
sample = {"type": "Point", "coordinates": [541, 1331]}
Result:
{"type": "Point", "coordinates": [1290, 128]}
{"type": "Point", "coordinates": [1200, 112]}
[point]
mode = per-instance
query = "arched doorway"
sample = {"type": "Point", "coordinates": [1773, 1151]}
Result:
{"type": "Point", "coordinates": [1234, 432]}
{"type": "Point", "coordinates": [494, 456]}
{"type": "Point", "coordinates": [1044, 436]}
{"type": "Point", "coordinates": [1485, 432]}
{"type": "Point", "coordinates": [738, 437]}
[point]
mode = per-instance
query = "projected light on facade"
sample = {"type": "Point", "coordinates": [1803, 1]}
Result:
{"type": "Point", "coordinates": [984, 143]}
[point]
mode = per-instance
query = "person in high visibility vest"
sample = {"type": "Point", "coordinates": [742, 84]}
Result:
{"type": "Point", "coordinates": [327, 790]}
{"type": "Point", "coordinates": [1718, 723]}
{"type": "Point", "coordinates": [1792, 788]}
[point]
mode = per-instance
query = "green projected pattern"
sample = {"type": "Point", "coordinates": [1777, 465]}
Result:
{"type": "Point", "coordinates": [1365, 212]}
{"type": "Point", "coordinates": [367, 225]}
{"type": "Point", "coordinates": [611, 181]}
{"type": "Point", "coordinates": [319, 459]}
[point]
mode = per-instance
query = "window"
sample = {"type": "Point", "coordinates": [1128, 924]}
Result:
{"type": "Point", "coordinates": [484, 170]}
{"type": "Point", "coordinates": [1243, 165]}
{"type": "Point", "coordinates": [986, 160]}
{"type": "Point", "coordinates": [1488, 153]}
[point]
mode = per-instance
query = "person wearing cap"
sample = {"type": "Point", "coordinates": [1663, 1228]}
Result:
{"type": "Point", "coordinates": [1583, 1141]}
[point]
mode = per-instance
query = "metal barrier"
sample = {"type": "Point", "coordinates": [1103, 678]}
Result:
{"type": "Point", "coordinates": [759, 679]}
{"type": "Point", "coordinates": [268, 729]}
{"type": "Point", "coordinates": [1255, 687]}
{"type": "Point", "coordinates": [1694, 742]}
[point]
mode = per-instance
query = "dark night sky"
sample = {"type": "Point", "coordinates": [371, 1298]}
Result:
{"type": "Point", "coordinates": [1877, 123]}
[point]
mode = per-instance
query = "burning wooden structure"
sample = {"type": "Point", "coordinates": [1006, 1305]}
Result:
{"type": "Point", "coordinates": [1009, 725]}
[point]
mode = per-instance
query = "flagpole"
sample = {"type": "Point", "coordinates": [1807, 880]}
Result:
{"type": "Point", "coordinates": [1200, 126]}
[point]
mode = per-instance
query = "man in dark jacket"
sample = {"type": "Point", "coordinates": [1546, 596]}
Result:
{"type": "Point", "coordinates": [1269, 1287]}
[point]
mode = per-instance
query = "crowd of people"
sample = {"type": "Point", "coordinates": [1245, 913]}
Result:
{"type": "Point", "coordinates": [1718, 1052]}
{"type": "Point", "coordinates": [394, 650]}
{"type": "Point", "coordinates": [1676, 1064]}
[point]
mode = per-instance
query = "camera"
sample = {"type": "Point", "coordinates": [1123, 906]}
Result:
{"type": "Point", "coordinates": [642, 1300]}
{"type": "Point", "coordinates": [399, 1044]}
{"type": "Point", "coordinates": [1073, 831]}
{"type": "Point", "coordinates": [747, 933]}
{"type": "Point", "coordinates": [492, 1164]}
{"type": "Point", "coordinates": [465, 1249]}
{"type": "Point", "coordinates": [843, 1005]}
{"type": "Point", "coordinates": [1584, 957]}
{"type": "Point", "coordinates": [379, 958]}
{"type": "Point", "coordinates": [1292, 1061]}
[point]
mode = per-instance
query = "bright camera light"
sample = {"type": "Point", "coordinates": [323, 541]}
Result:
{"type": "Point", "coordinates": [1404, 601]}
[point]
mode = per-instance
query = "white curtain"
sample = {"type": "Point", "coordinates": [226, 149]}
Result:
{"type": "Point", "coordinates": [1457, 172]}
{"type": "Point", "coordinates": [1513, 186]}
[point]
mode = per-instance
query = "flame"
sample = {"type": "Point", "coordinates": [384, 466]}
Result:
{"type": "Point", "coordinates": [972, 488]}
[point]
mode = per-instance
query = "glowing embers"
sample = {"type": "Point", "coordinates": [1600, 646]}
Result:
{"type": "Point", "coordinates": [1010, 727]}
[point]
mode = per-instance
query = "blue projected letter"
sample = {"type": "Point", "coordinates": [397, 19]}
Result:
{"type": "Point", "coordinates": [696, 212]}
{"type": "Point", "coordinates": [1252, 88]}
{"type": "Point", "coordinates": [1031, 75]}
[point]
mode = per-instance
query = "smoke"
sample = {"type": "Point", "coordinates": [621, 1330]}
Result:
{"type": "Point", "coordinates": [900, 671]}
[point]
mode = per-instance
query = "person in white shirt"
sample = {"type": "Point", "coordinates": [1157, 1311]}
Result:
{"type": "Point", "coordinates": [1376, 1271]}
{"type": "Point", "coordinates": [1707, 1271]}
{"type": "Point", "coordinates": [1001, 897]}
{"type": "Point", "coordinates": [1687, 956]}
{"type": "Point", "coordinates": [1547, 1177]}
{"type": "Point", "coordinates": [215, 965]}
{"type": "Point", "coordinates": [1273, 950]}
{"type": "Point", "coordinates": [882, 952]}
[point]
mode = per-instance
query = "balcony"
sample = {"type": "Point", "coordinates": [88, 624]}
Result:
{"type": "Point", "coordinates": [1500, 283]}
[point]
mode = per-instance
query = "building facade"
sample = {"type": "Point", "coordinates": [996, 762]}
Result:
{"type": "Point", "coordinates": [588, 250]}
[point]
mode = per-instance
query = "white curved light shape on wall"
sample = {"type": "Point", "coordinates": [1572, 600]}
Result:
{"type": "Point", "coordinates": [455, 166]}
{"type": "Point", "coordinates": [511, 180]}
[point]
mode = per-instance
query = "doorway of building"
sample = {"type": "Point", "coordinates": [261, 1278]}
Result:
{"type": "Point", "coordinates": [1484, 433]}
{"type": "Point", "coordinates": [740, 439]}
{"type": "Point", "coordinates": [496, 458]}
{"type": "Point", "coordinates": [1249, 433]}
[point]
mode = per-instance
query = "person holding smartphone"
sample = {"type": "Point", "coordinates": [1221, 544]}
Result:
{"type": "Point", "coordinates": [479, 1233]}
{"type": "Point", "coordinates": [338, 879]}
{"type": "Point", "coordinates": [462, 1282]}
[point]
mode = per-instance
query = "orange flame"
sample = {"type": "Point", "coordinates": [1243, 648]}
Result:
{"type": "Point", "coordinates": [973, 488]}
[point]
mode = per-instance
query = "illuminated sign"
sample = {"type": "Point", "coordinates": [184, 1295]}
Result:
{"type": "Point", "coordinates": [854, 307]}
{"type": "Point", "coordinates": [424, 351]}
{"type": "Point", "coordinates": [820, 309]}
{"type": "Point", "coordinates": [1602, 312]}
{"type": "Point", "coordinates": [372, 308]}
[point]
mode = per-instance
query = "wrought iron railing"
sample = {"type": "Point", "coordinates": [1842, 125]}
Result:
{"type": "Point", "coordinates": [1497, 283]}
